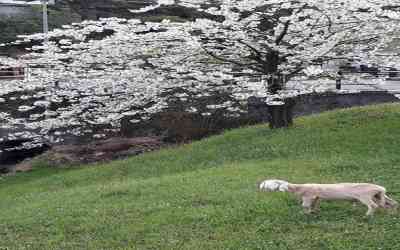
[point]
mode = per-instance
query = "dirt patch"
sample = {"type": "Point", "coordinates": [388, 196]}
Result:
{"type": "Point", "coordinates": [101, 151]}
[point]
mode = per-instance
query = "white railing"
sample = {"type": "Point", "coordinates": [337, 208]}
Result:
{"type": "Point", "coordinates": [19, 73]}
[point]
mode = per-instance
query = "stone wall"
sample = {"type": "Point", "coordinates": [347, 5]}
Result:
{"type": "Point", "coordinates": [317, 103]}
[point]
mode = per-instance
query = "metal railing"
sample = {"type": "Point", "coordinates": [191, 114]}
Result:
{"type": "Point", "coordinates": [19, 73]}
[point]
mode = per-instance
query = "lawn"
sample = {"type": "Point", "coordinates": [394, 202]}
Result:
{"type": "Point", "coordinates": [204, 195]}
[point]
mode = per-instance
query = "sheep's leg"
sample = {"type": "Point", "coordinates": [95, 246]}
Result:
{"type": "Point", "coordinates": [315, 205]}
{"type": "Point", "coordinates": [381, 201]}
{"type": "Point", "coordinates": [307, 204]}
{"type": "Point", "coordinates": [372, 206]}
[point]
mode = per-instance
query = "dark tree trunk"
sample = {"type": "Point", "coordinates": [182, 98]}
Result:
{"type": "Point", "coordinates": [275, 82]}
{"type": "Point", "coordinates": [281, 115]}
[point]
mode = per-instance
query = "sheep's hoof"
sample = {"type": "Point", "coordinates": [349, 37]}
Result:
{"type": "Point", "coordinates": [369, 215]}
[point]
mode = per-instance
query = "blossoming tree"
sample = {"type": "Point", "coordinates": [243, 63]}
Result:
{"type": "Point", "coordinates": [91, 75]}
{"type": "Point", "coordinates": [279, 38]}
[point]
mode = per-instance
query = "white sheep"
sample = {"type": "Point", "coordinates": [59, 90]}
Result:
{"type": "Point", "coordinates": [371, 195]}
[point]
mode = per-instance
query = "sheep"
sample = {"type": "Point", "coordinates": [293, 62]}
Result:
{"type": "Point", "coordinates": [371, 195]}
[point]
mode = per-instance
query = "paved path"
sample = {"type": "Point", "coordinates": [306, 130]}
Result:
{"type": "Point", "coordinates": [392, 86]}
{"type": "Point", "coordinates": [368, 84]}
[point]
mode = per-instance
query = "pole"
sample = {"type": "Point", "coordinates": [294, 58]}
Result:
{"type": "Point", "coordinates": [45, 21]}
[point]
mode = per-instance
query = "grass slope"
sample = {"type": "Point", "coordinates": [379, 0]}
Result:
{"type": "Point", "coordinates": [203, 195]}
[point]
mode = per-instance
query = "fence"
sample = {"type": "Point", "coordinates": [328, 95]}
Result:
{"type": "Point", "coordinates": [23, 73]}
{"type": "Point", "coordinates": [18, 73]}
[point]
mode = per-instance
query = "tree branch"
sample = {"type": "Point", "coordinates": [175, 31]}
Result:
{"type": "Point", "coordinates": [245, 65]}
{"type": "Point", "coordinates": [283, 33]}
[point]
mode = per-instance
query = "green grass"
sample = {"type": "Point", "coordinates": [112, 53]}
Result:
{"type": "Point", "coordinates": [204, 195]}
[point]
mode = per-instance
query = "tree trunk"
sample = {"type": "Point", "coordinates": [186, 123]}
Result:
{"type": "Point", "coordinates": [271, 68]}
{"type": "Point", "coordinates": [275, 83]}
{"type": "Point", "coordinates": [281, 115]}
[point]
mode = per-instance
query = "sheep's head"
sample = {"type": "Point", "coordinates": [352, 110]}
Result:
{"type": "Point", "coordinates": [274, 185]}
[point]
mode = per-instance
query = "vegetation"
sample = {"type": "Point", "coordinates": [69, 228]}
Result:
{"type": "Point", "coordinates": [11, 27]}
{"type": "Point", "coordinates": [162, 17]}
{"type": "Point", "coordinates": [280, 38]}
{"type": "Point", "coordinates": [204, 195]}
